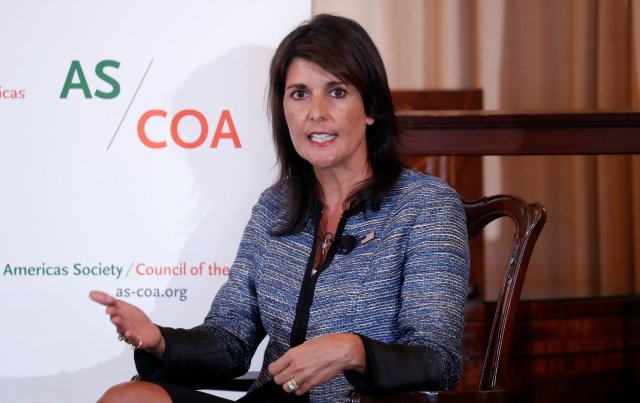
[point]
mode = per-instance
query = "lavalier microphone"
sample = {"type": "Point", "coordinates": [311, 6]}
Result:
{"type": "Point", "coordinates": [346, 244]}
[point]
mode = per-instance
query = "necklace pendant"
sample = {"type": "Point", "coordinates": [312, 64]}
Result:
{"type": "Point", "coordinates": [324, 245]}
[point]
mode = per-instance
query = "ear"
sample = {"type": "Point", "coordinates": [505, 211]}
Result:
{"type": "Point", "coordinates": [369, 120]}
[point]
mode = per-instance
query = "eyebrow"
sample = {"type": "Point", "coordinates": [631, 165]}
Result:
{"type": "Point", "coordinates": [336, 82]}
{"type": "Point", "coordinates": [303, 86]}
{"type": "Point", "coordinates": [298, 86]}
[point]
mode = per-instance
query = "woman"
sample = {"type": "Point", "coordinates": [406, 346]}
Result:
{"type": "Point", "coordinates": [356, 268]}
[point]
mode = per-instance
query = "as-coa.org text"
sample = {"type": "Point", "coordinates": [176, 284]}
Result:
{"type": "Point", "coordinates": [178, 293]}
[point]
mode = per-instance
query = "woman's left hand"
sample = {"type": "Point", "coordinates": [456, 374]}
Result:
{"type": "Point", "coordinates": [317, 361]}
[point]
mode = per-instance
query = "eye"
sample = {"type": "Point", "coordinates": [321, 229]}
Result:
{"type": "Point", "coordinates": [338, 92]}
{"type": "Point", "coordinates": [298, 94]}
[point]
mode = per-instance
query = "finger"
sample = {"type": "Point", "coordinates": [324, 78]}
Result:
{"type": "Point", "coordinates": [302, 389]}
{"type": "Point", "coordinates": [130, 337]}
{"type": "Point", "coordinates": [283, 376]}
{"type": "Point", "coordinates": [290, 386]}
{"type": "Point", "coordinates": [120, 332]}
{"type": "Point", "coordinates": [299, 387]}
{"type": "Point", "coordinates": [111, 310]}
{"type": "Point", "coordinates": [102, 298]}
{"type": "Point", "coordinates": [277, 367]}
{"type": "Point", "coordinates": [118, 322]}
{"type": "Point", "coordinates": [99, 297]}
{"type": "Point", "coordinates": [128, 334]}
{"type": "Point", "coordinates": [303, 380]}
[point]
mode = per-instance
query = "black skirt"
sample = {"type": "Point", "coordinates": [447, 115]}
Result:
{"type": "Point", "coordinates": [270, 392]}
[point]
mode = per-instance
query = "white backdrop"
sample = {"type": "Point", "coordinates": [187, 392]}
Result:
{"type": "Point", "coordinates": [88, 204]}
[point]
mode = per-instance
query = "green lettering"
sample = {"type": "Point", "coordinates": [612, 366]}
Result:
{"type": "Point", "coordinates": [108, 79]}
{"type": "Point", "coordinates": [74, 69]}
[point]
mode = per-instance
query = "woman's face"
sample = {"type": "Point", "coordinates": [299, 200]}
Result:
{"type": "Point", "coordinates": [326, 118]}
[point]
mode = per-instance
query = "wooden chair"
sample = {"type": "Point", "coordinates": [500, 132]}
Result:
{"type": "Point", "coordinates": [529, 220]}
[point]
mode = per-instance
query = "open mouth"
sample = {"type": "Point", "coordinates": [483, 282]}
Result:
{"type": "Point", "coordinates": [321, 137]}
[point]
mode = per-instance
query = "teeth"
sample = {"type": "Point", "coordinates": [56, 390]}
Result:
{"type": "Point", "coordinates": [322, 137]}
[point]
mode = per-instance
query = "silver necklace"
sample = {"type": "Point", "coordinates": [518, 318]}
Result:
{"type": "Point", "coordinates": [327, 238]}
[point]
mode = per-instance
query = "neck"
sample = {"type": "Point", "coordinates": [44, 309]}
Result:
{"type": "Point", "coordinates": [337, 186]}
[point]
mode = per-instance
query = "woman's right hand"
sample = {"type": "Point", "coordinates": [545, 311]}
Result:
{"type": "Point", "coordinates": [132, 324]}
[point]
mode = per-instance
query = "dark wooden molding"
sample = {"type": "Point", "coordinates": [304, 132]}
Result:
{"type": "Point", "coordinates": [502, 133]}
{"type": "Point", "coordinates": [460, 99]}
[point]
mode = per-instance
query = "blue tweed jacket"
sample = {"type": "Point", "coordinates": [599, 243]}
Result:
{"type": "Point", "coordinates": [403, 285]}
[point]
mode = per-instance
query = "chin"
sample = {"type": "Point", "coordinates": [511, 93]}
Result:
{"type": "Point", "coordinates": [322, 164]}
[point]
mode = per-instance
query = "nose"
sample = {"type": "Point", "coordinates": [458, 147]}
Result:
{"type": "Point", "coordinates": [318, 109]}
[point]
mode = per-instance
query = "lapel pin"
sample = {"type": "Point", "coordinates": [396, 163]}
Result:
{"type": "Point", "coordinates": [369, 237]}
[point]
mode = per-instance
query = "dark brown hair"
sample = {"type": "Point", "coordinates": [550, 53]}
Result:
{"type": "Point", "coordinates": [342, 47]}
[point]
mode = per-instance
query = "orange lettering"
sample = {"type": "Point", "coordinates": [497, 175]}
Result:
{"type": "Point", "coordinates": [225, 116]}
{"type": "Point", "coordinates": [142, 132]}
{"type": "Point", "coordinates": [204, 128]}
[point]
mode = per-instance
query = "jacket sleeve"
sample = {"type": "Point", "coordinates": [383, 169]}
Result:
{"type": "Point", "coordinates": [433, 299]}
{"type": "Point", "coordinates": [221, 348]}
{"type": "Point", "coordinates": [201, 357]}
